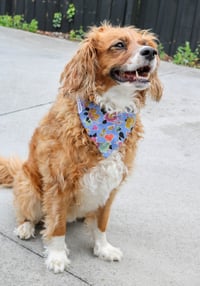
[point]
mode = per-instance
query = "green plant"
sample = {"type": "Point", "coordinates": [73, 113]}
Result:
{"type": "Point", "coordinates": [6, 21]}
{"type": "Point", "coordinates": [25, 26]}
{"type": "Point", "coordinates": [57, 20]}
{"type": "Point", "coordinates": [161, 51]}
{"type": "Point", "coordinates": [33, 26]}
{"type": "Point", "coordinates": [18, 21]}
{"type": "Point", "coordinates": [185, 56]}
{"type": "Point", "coordinates": [70, 13]}
{"type": "Point", "coordinates": [197, 51]}
{"type": "Point", "coordinates": [77, 34]}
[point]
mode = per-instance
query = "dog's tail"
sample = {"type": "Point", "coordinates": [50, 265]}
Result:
{"type": "Point", "coordinates": [8, 170]}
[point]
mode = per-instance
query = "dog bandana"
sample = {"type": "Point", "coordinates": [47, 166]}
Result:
{"type": "Point", "coordinates": [107, 131]}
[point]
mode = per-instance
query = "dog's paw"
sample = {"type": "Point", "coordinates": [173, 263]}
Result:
{"type": "Point", "coordinates": [108, 252]}
{"type": "Point", "coordinates": [57, 261]}
{"type": "Point", "coordinates": [25, 230]}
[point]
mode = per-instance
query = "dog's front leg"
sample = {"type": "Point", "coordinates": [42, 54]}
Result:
{"type": "Point", "coordinates": [55, 209]}
{"type": "Point", "coordinates": [98, 224]}
{"type": "Point", "coordinates": [57, 254]}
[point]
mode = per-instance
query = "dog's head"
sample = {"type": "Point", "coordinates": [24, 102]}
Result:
{"type": "Point", "coordinates": [114, 57]}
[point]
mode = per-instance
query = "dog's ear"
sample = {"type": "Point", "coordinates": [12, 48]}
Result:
{"type": "Point", "coordinates": [156, 88]}
{"type": "Point", "coordinates": [78, 77]}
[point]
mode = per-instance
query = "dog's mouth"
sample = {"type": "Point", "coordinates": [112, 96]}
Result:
{"type": "Point", "coordinates": [141, 75]}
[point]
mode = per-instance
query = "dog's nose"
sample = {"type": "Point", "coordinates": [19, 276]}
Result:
{"type": "Point", "coordinates": [148, 52]}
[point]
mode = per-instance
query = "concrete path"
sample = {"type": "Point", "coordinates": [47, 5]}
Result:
{"type": "Point", "coordinates": [156, 217]}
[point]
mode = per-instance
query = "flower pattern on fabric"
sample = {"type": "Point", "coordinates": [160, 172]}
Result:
{"type": "Point", "coordinates": [107, 131]}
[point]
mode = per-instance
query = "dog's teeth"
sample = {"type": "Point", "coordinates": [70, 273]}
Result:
{"type": "Point", "coordinates": [137, 74]}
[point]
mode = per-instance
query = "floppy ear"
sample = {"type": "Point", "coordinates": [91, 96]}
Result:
{"type": "Point", "coordinates": [78, 77]}
{"type": "Point", "coordinates": [156, 88]}
{"type": "Point", "coordinates": [155, 91]}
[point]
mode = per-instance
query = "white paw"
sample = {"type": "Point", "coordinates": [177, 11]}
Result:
{"type": "Point", "coordinates": [108, 252]}
{"type": "Point", "coordinates": [57, 254]}
{"type": "Point", "coordinates": [25, 230]}
{"type": "Point", "coordinates": [57, 261]}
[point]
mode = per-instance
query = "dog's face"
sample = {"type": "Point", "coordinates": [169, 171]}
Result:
{"type": "Point", "coordinates": [114, 57]}
{"type": "Point", "coordinates": [125, 56]}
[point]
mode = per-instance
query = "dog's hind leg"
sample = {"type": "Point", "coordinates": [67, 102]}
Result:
{"type": "Point", "coordinates": [27, 201]}
{"type": "Point", "coordinates": [98, 224]}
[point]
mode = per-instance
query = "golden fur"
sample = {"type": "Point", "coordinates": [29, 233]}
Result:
{"type": "Point", "coordinates": [47, 184]}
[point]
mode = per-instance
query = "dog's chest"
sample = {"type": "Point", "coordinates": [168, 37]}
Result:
{"type": "Point", "coordinates": [97, 185]}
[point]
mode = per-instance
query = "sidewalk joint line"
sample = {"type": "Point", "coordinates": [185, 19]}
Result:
{"type": "Point", "coordinates": [41, 256]}
{"type": "Point", "coordinates": [25, 108]}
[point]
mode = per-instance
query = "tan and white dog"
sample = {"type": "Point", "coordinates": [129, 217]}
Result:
{"type": "Point", "coordinates": [67, 175]}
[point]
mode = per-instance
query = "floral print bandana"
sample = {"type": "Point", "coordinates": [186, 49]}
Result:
{"type": "Point", "coordinates": [107, 131]}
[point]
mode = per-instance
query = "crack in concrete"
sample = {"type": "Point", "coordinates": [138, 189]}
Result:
{"type": "Point", "coordinates": [41, 256]}
{"type": "Point", "coordinates": [25, 108]}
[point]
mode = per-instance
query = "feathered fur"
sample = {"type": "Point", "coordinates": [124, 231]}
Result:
{"type": "Point", "coordinates": [65, 175]}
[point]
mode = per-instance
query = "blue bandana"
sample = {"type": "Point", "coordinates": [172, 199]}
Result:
{"type": "Point", "coordinates": [107, 131]}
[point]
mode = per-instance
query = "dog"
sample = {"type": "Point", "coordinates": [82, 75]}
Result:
{"type": "Point", "coordinates": [85, 146]}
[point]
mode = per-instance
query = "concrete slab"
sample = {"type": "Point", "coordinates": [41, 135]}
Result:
{"type": "Point", "coordinates": [29, 63]}
{"type": "Point", "coordinates": [155, 218]}
{"type": "Point", "coordinates": [22, 124]}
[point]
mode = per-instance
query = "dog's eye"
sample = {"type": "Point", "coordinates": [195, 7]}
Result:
{"type": "Point", "coordinates": [119, 45]}
{"type": "Point", "coordinates": [156, 41]}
